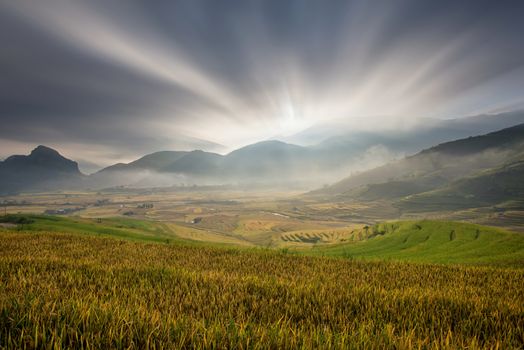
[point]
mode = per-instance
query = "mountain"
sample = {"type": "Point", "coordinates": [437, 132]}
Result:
{"type": "Point", "coordinates": [196, 163]}
{"type": "Point", "coordinates": [43, 169]}
{"type": "Point", "coordinates": [278, 163]}
{"type": "Point", "coordinates": [433, 168]}
{"type": "Point", "coordinates": [263, 162]}
{"type": "Point", "coordinates": [345, 147]}
{"type": "Point", "coordinates": [269, 161]}
{"type": "Point", "coordinates": [136, 171]}
{"type": "Point", "coordinates": [154, 161]}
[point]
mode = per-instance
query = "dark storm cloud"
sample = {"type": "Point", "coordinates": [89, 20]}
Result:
{"type": "Point", "coordinates": [136, 76]}
{"type": "Point", "coordinates": [59, 91]}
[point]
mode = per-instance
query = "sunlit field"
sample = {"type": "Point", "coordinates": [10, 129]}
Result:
{"type": "Point", "coordinates": [61, 290]}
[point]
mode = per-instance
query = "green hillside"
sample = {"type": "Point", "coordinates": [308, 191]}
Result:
{"type": "Point", "coordinates": [131, 229]}
{"type": "Point", "coordinates": [434, 242]}
{"type": "Point", "coordinates": [432, 168]}
{"type": "Point", "coordinates": [122, 228]}
{"type": "Point", "coordinates": [486, 188]}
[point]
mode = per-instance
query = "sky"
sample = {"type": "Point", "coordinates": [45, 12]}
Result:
{"type": "Point", "coordinates": [106, 81]}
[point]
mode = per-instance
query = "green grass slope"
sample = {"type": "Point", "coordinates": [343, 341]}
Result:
{"type": "Point", "coordinates": [118, 227]}
{"type": "Point", "coordinates": [130, 229]}
{"type": "Point", "coordinates": [434, 242]}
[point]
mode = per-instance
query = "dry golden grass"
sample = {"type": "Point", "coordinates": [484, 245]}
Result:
{"type": "Point", "coordinates": [72, 291]}
{"type": "Point", "coordinates": [204, 235]}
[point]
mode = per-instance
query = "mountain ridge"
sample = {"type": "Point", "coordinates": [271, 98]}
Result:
{"type": "Point", "coordinates": [444, 170]}
{"type": "Point", "coordinates": [277, 162]}
{"type": "Point", "coordinates": [43, 169]}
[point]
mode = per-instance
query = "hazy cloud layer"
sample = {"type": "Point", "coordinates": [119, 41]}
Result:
{"type": "Point", "coordinates": [115, 79]}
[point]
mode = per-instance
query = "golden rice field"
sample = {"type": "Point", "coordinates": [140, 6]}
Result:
{"type": "Point", "coordinates": [77, 291]}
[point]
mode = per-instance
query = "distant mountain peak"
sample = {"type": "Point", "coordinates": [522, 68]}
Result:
{"type": "Point", "coordinates": [267, 146]}
{"type": "Point", "coordinates": [43, 155]}
{"type": "Point", "coordinates": [274, 143]}
{"type": "Point", "coordinates": [49, 158]}
{"type": "Point", "coordinates": [44, 169]}
{"type": "Point", "coordinates": [44, 151]}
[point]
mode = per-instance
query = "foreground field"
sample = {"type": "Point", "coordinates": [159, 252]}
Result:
{"type": "Point", "coordinates": [61, 290]}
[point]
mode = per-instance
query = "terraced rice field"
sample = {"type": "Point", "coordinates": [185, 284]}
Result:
{"type": "Point", "coordinates": [62, 290]}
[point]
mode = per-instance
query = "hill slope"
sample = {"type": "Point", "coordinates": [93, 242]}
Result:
{"type": "Point", "coordinates": [434, 167]}
{"type": "Point", "coordinates": [434, 242]}
{"type": "Point", "coordinates": [134, 172]}
{"type": "Point", "coordinates": [428, 241]}
{"type": "Point", "coordinates": [267, 161]}
{"type": "Point", "coordinates": [154, 161]}
{"type": "Point", "coordinates": [486, 188]}
{"type": "Point", "coordinates": [196, 163]}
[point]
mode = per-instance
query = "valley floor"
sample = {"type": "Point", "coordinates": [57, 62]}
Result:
{"type": "Point", "coordinates": [163, 269]}
{"type": "Point", "coordinates": [267, 219]}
